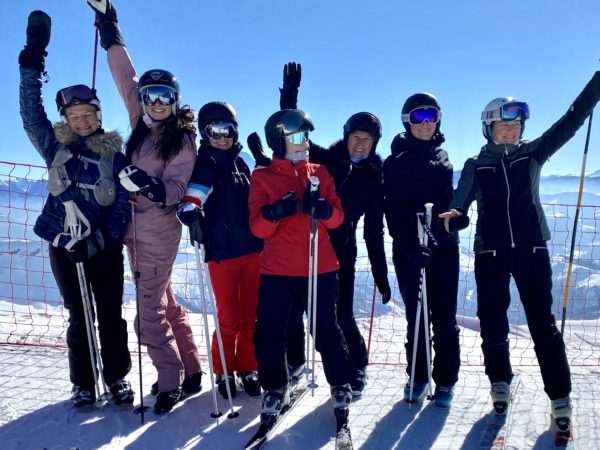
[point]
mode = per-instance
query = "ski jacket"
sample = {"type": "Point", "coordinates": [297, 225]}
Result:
{"type": "Point", "coordinates": [155, 224]}
{"type": "Point", "coordinates": [359, 187]}
{"type": "Point", "coordinates": [504, 180]}
{"type": "Point", "coordinates": [286, 242]}
{"type": "Point", "coordinates": [81, 169]}
{"type": "Point", "coordinates": [220, 183]}
{"type": "Point", "coordinates": [416, 172]}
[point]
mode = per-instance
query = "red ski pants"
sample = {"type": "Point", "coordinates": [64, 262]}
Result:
{"type": "Point", "coordinates": [235, 283]}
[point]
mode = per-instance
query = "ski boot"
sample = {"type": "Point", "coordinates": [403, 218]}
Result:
{"type": "Point", "coordinates": [443, 396]}
{"type": "Point", "coordinates": [419, 389]}
{"type": "Point", "coordinates": [341, 397]}
{"type": "Point", "coordinates": [500, 393]}
{"type": "Point", "coordinates": [359, 383]}
{"type": "Point", "coordinates": [295, 372]}
{"type": "Point", "coordinates": [274, 401]}
{"type": "Point", "coordinates": [83, 398]}
{"type": "Point", "coordinates": [166, 400]}
{"type": "Point", "coordinates": [192, 383]}
{"type": "Point", "coordinates": [223, 388]}
{"type": "Point", "coordinates": [122, 394]}
{"type": "Point", "coordinates": [251, 384]}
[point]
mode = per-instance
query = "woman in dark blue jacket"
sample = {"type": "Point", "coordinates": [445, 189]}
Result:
{"type": "Point", "coordinates": [83, 161]}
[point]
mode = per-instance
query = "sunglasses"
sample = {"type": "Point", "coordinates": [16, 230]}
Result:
{"type": "Point", "coordinates": [164, 94]}
{"type": "Point", "coordinates": [73, 95]}
{"type": "Point", "coordinates": [508, 111]}
{"type": "Point", "coordinates": [421, 114]}
{"type": "Point", "coordinates": [220, 130]}
{"type": "Point", "coordinates": [297, 138]}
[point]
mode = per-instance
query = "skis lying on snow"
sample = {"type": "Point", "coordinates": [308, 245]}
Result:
{"type": "Point", "coordinates": [343, 438]}
{"type": "Point", "coordinates": [266, 429]}
{"type": "Point", "coordinates": [496, 431]}
{"type": "Point", "coordinates": [563, 434]}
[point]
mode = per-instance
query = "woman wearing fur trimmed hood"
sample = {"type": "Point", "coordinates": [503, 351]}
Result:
{"type": "Point", "coordinates": [83, 162]}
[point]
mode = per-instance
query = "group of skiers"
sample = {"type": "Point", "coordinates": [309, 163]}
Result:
{"type": "Point", "coordinates": [256, 227]}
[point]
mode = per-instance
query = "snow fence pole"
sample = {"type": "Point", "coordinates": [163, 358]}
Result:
{"type": "Point", "coordinates": [578, 207]}
{"type": "Point", "coordinates": [216, 413]}
{"type": "Point", "coordinates": [136, 277]}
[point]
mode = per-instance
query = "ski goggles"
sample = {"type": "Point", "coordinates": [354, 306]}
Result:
{"type": "Point", "coordinates": [220, 130]}
{"type": "Point", "coordinates": [297, 138]}
{"type": "Point", "coordinates": [166, 95]}
{"type": "Point", "coordinates": [508, 111]}
{"type": "Point", "coordinates": [422, 114]}
{"type": "Point", "coordinates": [74, 95]}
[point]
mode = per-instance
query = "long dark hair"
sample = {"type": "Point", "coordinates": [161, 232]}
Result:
{"type": "Point", "coordinates": [175, 128]}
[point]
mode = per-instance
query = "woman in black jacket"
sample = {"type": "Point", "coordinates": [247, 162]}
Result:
{"type": "Point", "coordinates": [417, 172]}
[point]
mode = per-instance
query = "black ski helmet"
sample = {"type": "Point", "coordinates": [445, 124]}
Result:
{"type": "Point", "coordinates": [363, 121]}
{"type": "Point", "coordinates": [159, 77]}
{"type": "Point", "coordinates": [417, 100]}
{"type": "Point", "coordinates": [216, 112]}
{"type": "Point", "coordinates": [284, 123]}
{"type": "Point", "coordinates": [79, 94]}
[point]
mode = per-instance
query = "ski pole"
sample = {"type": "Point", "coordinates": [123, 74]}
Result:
{"type": "Point", "coordinates": [311, 300]}
{"type": "Point", "coordinates": [216, 413]}
{"type": "Point", "coordinates": [371, 320]}
{"type": "Point", "coordinates": [211, 298]}
{"type": "Point", "coordinates": [424, 239]}
{"type": "Point", "coordinates": [581, 181]}
{"type": "Point", "coordinates": [136, 277]}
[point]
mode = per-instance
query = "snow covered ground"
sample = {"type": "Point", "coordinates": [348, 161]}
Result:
{"type": "Point", "coordinates": [35, 411]}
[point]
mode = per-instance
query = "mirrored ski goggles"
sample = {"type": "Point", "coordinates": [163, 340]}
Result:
{"type": "Point", "coordinates": [164, 94]}
{"type": "Point", "coordinates": [220, 130]}
{"type": "Point", "coordinates": [509, 111]}
{"type": "Point", "coordinates": [297, 138]}
{"type": "Point", "coordinates": [424, 113]}
{"type": "Point", "coordinates": [73, 95]}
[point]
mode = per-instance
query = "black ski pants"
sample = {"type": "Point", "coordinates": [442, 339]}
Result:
{"type": "Point", "coordinates": [530, 268]}
{"type": "Point", "coordinates": [104, 273]}
{"type": "Point", "coordinates": [442, 292]}
{"type": "Point", "coordinates": [345, 308]}
{"type": "Point", "coordinates": [275, 304]}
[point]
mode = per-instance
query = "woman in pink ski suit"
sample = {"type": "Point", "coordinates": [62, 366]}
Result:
{"type": "Point", "coordinates": [162, 152]}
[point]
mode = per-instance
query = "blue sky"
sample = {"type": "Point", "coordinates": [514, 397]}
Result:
{"type": "Point", "coordinates": [355, 55]}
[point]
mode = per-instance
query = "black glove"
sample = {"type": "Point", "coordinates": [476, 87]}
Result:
{"type": "Point", "coordinates": [188, 213]}
{"type": "Point", "coordinates": [286, 206]}
{"type": "Point", "coordinates": [196, 233]}
{"type": "Point", "coordinates": [255, 146]}
{"type": "Point", "coordinates": [38, 37]}
{"type": "Point", "coordinates": [107, 24]}
{"type": "Point", "coordinates": [386, 293]}
{"type": "Point", "coordinates": [288, 95]}
{"type": "Point", "coordinates": [86, 248]}
{"type": "Point", "coordinates": [420, 256]}
{"type": "Point", "coordinates": [135, 180]}
{"type": "Point", "coordinates": [459, 223]}
{"type": "Point", "coordinates": [322, 210]}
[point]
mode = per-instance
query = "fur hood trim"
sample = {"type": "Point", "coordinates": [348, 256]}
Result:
{"type": "Point", "coordinates": [102, 142]}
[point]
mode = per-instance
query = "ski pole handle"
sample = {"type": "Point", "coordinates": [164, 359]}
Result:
{"type": "Point", "coordinates": [428, 210]}
{"type": "Point", "coordinates": [314, 183]}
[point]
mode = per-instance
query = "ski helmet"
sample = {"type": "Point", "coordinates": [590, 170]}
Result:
{"type": "Point", "coordinates": [284, 123]}
{"type": "Point", "coordinates": [363, 121]}
{"type": "Point", "coordinates": [419, 100]}
{"type": "Point", "coordinates": [79, 94]}
{"type": "Point", "coordinates": [215, 112]}
{"type": "Point", "coordinates": [503, 108]}
{"type": "Point", "coordinates": [159, 78]}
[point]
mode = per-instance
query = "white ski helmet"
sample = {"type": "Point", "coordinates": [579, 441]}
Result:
{"type": "Point", "coordinates": [503, 108]}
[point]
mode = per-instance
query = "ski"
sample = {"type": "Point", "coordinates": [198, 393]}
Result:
{"type": "Point", "coordinates": [266, 429]}
{"type": "Point", "coordinates": [343, 437]}
{"type": "Point", "coordinates": [496, 431]}
{"type": "Point", "coordinates": [563, 434]}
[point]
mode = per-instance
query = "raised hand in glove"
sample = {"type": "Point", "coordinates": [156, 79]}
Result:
{"type": "Point", "coordinates": [288, 95]}
{"type": "Point", "coordinates": [420, 256]}
{"type": "Point", "coordinates": [135, 180]}
{"type": "Point", "coordinates": [107, 23]}
{"type": "Point", "coordinates": [286, 206]}
{"type": "Point", "coordinates": [259, 155]}
{"type": "Point", "coordinates": [38, 37]}
{"type": "Point", "coordinates": [386, 293]}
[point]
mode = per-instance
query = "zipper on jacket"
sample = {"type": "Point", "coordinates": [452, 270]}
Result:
{"type": "Point", "coordinates": [493, 252]}
{"type": "Point", "coordinates": [512, 239]}
{"type": "Point", "coordinates": [345, 179]}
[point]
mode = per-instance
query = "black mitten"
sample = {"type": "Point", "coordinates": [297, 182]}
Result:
{"type": "Point", "coordinates": [322, 210]}
{"type": "Point", "coordinates": [38, 37]}
{"type": "Point", "coordinates": [108, 24]}
{"type": "Point", "coordinates": [386, 293]}
{"type": "Point", "coordinates": [255, 146]}
{"type": "Point", "coordinates": [286, 206]}
{"type": "Point", "coordinates": [288, 95]}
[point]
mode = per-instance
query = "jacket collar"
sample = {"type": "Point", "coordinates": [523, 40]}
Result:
{"type": "Point", "coordinates": [102, 142]}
